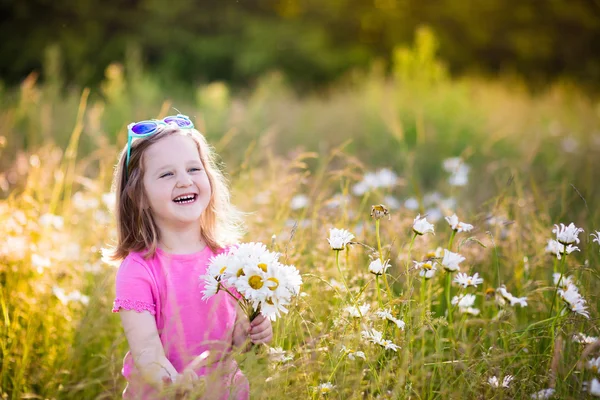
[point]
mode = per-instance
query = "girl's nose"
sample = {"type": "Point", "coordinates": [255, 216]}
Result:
{"type": "Point", "coordinates": [184, 181]}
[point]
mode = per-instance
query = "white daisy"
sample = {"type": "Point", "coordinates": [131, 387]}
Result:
{"type": "Point", "coordinates": [574, 300]}
{"type": "Point", "coordinates": [464, 300]}
{"type": "Point", "coordinates": [278, 355]}
{"type": "Point", "coordinates": [353, 355]}
{"type": "Point", "coordinates": [584, 339]}
{"type": "Point", "coordinates": [211, 286]}
{"type": "Point", "coordinates": [386, 314]}
{"type": "Point", "coordinates": [559, 249]}
{"type": "Point", "coordinates": [469, 310]}
{"type": "Point", "coordinates": [458, 226]}
{"type": "Point", "coordinates": [596, 237]}
{"type": "Point", "coordinates": [426, 268]}
{"type": "Point", "coordinates": [593, 365]}
{"type": "Point", "coordinates": [594, 387]}
{"type": "Point", "coordinates": [325, 388]}
{"type": "Point", "coordinates": [495, 383]}
{"type": "Point", "coordinates": [421, 226]}
{"type": "Point", "coordinates": [451, 261]}
{"type": "Point", "coordinates": [503, 295]}
{"type": "Point", "coordinates": [377, 268]}
{"type": "Point", "coordinates": [358, 312]}
{"type": "Point", "coordinates": [543, 394]}
{"type": "Point", "coordinates": [339, 238]}
{"type": "Point", "coordinates": [567, 234]}
{"type": "Point", "coordinates": [465, 280]}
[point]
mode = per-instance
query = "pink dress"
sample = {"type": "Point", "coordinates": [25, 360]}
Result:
{"type": "Point", "coordinates": [168, 286]}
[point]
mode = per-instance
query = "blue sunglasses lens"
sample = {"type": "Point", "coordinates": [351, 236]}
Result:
{"type": "Point", "coordinates": [143, 128]}
{"type": "Point", "coordinates": [181, 122]}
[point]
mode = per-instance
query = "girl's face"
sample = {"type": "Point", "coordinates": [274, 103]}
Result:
{"type": "Point", "coordinates": [175, 182]}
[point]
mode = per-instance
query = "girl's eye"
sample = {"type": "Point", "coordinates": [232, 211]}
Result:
{"type": "Point", "coordinates": [195, 169]}
{"type": "Point", "coordinates": [165, 174]}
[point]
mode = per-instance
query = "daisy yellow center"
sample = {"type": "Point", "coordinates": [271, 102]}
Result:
{"type": "Point", "coordinates": [489, 292]}
{"type": "Point", "coordinates": [276, 281]}
{"type": "Point", "coordinates": [255, 282]}
{"type": "Point", "coordinates": [269, 301]}
{"type": "Point", "coordinates": [594, 368]}
{"type": "Point", "coordinates": [263, 266]}
{"type": "Point", "coordinates": [469, 281]}
{"type": "Point", "coordinates": [431, 254]}
{"type": "Point", "coordinates": [427, 266]}
{"type": "Point", "coordinates": [222, 270]}
{"type": "Point", "coordinates": [240, 272]}
{"type": "Point", "coordinates": [325, 390]}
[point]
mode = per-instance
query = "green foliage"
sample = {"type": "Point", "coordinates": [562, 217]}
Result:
{"type": "Point", "coordinates": [312, 43]}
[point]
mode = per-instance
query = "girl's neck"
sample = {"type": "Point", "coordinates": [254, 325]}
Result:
{"type": "Point", "coordinates": [181, 242]}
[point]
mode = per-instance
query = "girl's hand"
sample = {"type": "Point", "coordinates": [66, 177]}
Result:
{"type": "Point", "coordinates": [183, 384]}
{"type": "Point", "coordinates": [261, 330]}
{"type": "Point", "coordinates": [240, 332]}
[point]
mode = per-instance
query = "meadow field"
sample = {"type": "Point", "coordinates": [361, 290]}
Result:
{"type": "Point", "coordinates": [510, 162]}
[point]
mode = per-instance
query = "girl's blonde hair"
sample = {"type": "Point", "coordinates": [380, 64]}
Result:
{"type": "Point", "coordinates": [220, 223]}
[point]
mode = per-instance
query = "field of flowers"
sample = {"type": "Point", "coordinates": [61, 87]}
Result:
{"type": "Point", "coordinates": [446, 232]}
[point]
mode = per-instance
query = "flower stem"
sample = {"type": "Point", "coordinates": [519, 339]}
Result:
{"type": "Point", "coordinates": [337, 263]}
{"type": "Point", "coordinates": [378, 291]}
{"type": "Point", "coordinates": [387, 285]}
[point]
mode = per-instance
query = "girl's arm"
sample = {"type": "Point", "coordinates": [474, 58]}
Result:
{"type": "Point", "coordinates": [146, 348]}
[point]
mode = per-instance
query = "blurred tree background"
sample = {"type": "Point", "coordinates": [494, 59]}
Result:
{"type": "Point", "coordinates": [312, 42]}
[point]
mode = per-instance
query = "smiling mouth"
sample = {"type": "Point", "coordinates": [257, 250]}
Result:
{"type": "Point", "coordinates": [186, 199]}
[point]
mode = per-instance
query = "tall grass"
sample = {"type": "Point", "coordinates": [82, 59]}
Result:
{"type": "Point", "coordinates": [533, 160]}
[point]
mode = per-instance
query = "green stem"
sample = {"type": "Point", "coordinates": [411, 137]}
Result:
{"type": "Point", "coordinates": [378, 291]}
{"type": "Point", "coordinates": [387, 285]}
{"type": "Point", "coordinates": [337, 263]}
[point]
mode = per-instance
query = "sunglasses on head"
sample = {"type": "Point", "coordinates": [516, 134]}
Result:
{"type": "Point", "coordinates": [150, 127]}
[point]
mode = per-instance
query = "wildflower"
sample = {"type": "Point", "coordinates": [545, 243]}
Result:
{"type": "Point", "coordinates": [73, 296]}
{"type": "Point", "coordinates": [495, 383]}
{"type": "Point", "coordinates": [264, 283]}
{"type": "Point", "coordinates": [386, 314]}
{"type": "Point", "coordinates": [357, 311]}
{"type": "Point", "coordinates": [376, 337]}
{"type": "Point", "coordinates": [451, 260]}
{"type": "Point", "coordinates": [565, 281]}
{"type": "Point", "coordinates": [339, 238]}
{"type": "Point", "coordinates": [594, 387]}
{"type": "Point", "coordinates": [324, 388]}
{"type": "Point", "coordinates": [567, 234]}
{"type": "Point", "coordinates": [109, 200]}
{"type": "Point", "coordinates": [40, 263]}
{"type": "Point", "coordinates": [377, 268]}
{"type": "Point", "coordinates": [277, 354]}
{"type": "Point", "coordinates": [463, 300]}
{"type": "Point", "coordinates": [421, 226]}
{"type": "Point", "coordinates": [379, 211]}
{"type": "Point", "coordinates": [465, 281]}
{"type": "Point", "coordinates": [584, 339]}
{"type": "Point", "coordinates": [52, 220]}
{"type": "Point", "coordinates": [211, 286]}
{"type": "Point", "coordinates": [594, 365]}
{"type": "Point", "coordinates": [427, 268]}
{"type": "Point", "coordinates": [353, 355]}
{"type": "Point", "coordinates": [574, 300]}
{"type": "Point", "coordinates": [543, 394]}
{"type": "Point", "coordinates": [469, 310]}
{"type": "Point", "coordinates": [596, 237]}
{"type": "Point", "coordinates": [299, 201]}
{"type": "Point", "coordinates": [458, 226]}
{"type": "Point", "coordinates": [559, 249]}
{"type": "Point", "coordinates": [503, 295]}
{"type": "Point", "coordinates": [383, 178]}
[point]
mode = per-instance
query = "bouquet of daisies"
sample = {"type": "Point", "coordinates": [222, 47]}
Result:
{"type": "Point", "coordinates": [266, 286]}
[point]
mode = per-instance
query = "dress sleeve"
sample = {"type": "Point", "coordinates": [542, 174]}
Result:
{"type": "Point", "coordinates": [134, 288]}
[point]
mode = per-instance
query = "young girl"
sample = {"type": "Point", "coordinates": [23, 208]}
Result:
{"type": "Point", "coordinates": [173, 214]}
